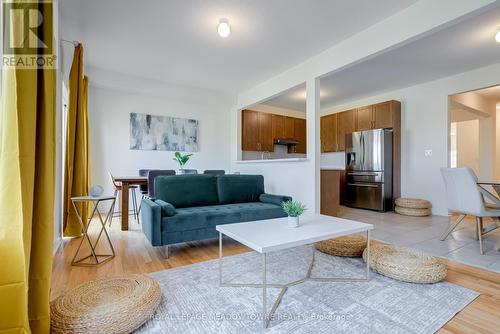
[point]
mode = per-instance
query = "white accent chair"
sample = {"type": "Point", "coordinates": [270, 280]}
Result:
{"type": "Point", "coordinates": [466, 197]}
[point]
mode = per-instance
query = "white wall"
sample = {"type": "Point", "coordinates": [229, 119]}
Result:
{"type": "Point", "coordinates": [424, 125]}
{"type": "Point", "coordinates": [109, 133]}
{"type": "Point", "coordinates": [497, 154]}
{"type": "Point", "coordinates": [484, 110]}
{"type": "Point", "coordinates": [468, 145]}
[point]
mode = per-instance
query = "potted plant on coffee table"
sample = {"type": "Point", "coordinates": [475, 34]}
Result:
{"type": "Point", "coordinates": [293, 209]}
{"type": "Point", "coordinates": [181, 159]}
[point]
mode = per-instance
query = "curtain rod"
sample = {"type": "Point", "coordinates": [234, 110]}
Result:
{"type": "Point", "coordinates": [75, 43]}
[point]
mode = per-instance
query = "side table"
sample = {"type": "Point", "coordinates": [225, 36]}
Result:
{"type": "Point", "coordinates": [98, 258]}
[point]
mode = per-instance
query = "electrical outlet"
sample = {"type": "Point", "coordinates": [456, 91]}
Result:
{"type": "Point", "coordinates": [428, 153]}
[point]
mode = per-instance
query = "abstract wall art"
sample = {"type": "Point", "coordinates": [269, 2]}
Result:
{"type": "Point", "coordinates": [163, 133]}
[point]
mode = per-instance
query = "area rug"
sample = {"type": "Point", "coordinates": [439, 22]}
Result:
{"type": "Point", "coordinates": [193, 302]}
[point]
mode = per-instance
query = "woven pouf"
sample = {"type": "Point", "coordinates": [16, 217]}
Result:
{"type": "Point", "coordinates": [351, 246]}
{"type": "Point", "coordinates": [118, 304]}
{"type": "Point", "coordinates": [413, 211]}
{"type": "Point", "coordinates": [413, 203]}
{"type": "Point", "coordinates": [405, 264]}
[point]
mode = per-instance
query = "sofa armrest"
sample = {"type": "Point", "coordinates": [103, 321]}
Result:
{"type": "Point", "coordinates": [274, 199]}
{"type": "Point", "coordinates": [151, 221]}
{"type": "Point", "coordinates": [167, 209]}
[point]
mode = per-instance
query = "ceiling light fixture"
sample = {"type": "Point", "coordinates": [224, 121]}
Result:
{"type": "Point", "coordinates": [223, 28]}
{"type": "Point", "coordinates": [497, 36]}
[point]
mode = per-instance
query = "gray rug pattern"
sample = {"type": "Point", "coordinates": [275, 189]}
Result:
{"type": "Point", "coordinates": [193, 302]}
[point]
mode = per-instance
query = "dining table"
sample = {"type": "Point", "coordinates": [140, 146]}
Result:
{"type": "Point", "coordinates": [126, 182]}
{"type": "Point", "coordinates": [494, 184]}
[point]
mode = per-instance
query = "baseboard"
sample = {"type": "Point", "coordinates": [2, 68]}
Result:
{"type": "Point", "coordinates": [57, 243]}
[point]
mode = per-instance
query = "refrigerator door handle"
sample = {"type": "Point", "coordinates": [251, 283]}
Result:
{"type": "Point", "coordinates": [363, 150]}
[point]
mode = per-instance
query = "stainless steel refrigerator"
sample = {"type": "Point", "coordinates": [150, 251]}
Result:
{"type": "Point", "coordinates": [369, 170]}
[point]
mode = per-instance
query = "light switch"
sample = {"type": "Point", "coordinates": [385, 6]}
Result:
{"type": "Point", "coordinates": [428, 153]}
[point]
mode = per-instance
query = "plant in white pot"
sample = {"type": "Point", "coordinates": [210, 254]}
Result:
{"type": "Point", "coordinates": [181, 159]}
{"type": "Point", "coordinates": [293, 209]}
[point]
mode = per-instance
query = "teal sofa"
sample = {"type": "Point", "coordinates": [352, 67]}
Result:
{"type": "Point", "coordinates": [188, 207]}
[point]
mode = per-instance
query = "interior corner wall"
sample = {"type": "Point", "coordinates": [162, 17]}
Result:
{"type": "Point", "coordinates": [497, 147]}
{"type": "Point", "coordinates": [424, 109]}
{"type": "Point", "coordinates": [109, 114]}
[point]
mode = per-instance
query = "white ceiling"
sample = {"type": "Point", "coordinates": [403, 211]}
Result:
{"type": "Point", "coordinates": [175, 41]}
{"type": "Point", "coordinates": [456, 49]}
{"type": "Point", "coordinates": [492, 93]}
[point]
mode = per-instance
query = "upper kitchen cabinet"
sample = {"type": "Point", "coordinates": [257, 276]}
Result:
{"type": "Point", "coordinates": [383, 114]}
{"type": "Point", "coordinates": [328, 133]}
{"type": "Point", "coordinates": [376, 116]}
{"type": "Point", "coordinates": [300, 136]}
{"type": "Point", "coordinates": [346, 124]}
{"type": "Point", "coordinates": [334, 127]}
{"type": "Point", "coordinates": [275, 128]}
{"type": "Point", "coordinates": [289, 127]}
{"type": "Point", "coordinates": [256, 131]}
{"type": "Point", "coordinates": [364, 118]}
{"type": "Point", "coordinates": [278, 123]}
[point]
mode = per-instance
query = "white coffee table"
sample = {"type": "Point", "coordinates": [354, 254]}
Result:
{"type": "Point", "coordinates": [265, 236]}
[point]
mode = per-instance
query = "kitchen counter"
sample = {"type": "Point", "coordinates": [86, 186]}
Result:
{"type": "Point", "coordinates": [341, 168]}
{"type": "Point", "coordinates": [271, 160]}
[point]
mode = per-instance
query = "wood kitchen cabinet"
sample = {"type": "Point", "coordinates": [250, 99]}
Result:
{"type": "Point", "coordinates": [328, 133]}
{"type": "Point", "coordinates": [278, 126]}
{"type": "Point", "coordinates": [256, 131]}
{"type": "Point", "coordinates": [376, 116]}
{"type": "Point", "coordinates": [330, 192]}
{"type": "Point", "coordinates": [300, 136]}
{"type": "Point", "coordinates": [364, 118]}
{"type": "Point", "coordinates": [289, 127]}
{"type": "Point", "coordinates": [260, 130]}
{"type": "Point", "coordinates": [346, 124]}
{"type": "Point", "coordinates": [383, 114]}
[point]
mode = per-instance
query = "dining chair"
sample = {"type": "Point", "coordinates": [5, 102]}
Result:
{"type": "Point", "coordinates": [144, 187]}
{"type": "Point", "coordinates": [466, 197]}
{"type": "Point", "coordinates": [214, 171]}
{"type": "Point", "coordinates": [190, 171]}
{"type": "Point", "coordinates": [118, 188]}
{"type": "Point", "coordinates": [152, 175]}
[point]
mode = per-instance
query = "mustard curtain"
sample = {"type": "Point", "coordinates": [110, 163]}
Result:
{"type": "Point", "coordinates": [77, 171]}
{"type": "Point", "coordinates": [27, 190]}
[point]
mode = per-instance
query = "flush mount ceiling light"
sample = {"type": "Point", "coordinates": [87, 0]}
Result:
{"type": "Point", "coordinates": [223, 28]}
{"type": "Point", "coordinates": [497, 36]}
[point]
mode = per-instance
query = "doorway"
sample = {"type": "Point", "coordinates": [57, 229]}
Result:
{"type": "Point", "coordinates": [474, 131]}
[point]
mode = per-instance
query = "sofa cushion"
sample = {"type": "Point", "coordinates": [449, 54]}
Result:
{"type": "Point", "coordinates": [274, 199]}
{"type": "Point", "coordinates": [187, 190]}
{"type": "Point", "coordinates": [239, 188]}
{"type": "Point", "coordinates": [209, 216]}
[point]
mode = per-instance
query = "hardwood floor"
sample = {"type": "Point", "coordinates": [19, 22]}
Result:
{"type": "Point", "coordinates": [135, 255]}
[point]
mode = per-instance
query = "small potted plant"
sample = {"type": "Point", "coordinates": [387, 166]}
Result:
{"type": "Point", "coordinates": [293, 209]}
{"type": "Point", "coordinates": [181, 159]}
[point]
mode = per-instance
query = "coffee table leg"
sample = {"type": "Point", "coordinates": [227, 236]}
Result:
{"type": "Point", "coordinates": [264, 282]}
{"type": "Point", "coordinates": [220, 259]}
{"type": "Point", "coordinates": [368, 255]}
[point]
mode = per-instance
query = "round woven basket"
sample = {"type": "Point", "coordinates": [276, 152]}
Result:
{"type": "Point", "coordinates": [405, 264]}
{"type": "Point", "coordinates": [350, 246]}
{"type": "Point", "coordinates": [412, 212]}
{"type": "Point", "coordinates": [118, 304]}
{"type": "Point", "coordinates": [413, 203]}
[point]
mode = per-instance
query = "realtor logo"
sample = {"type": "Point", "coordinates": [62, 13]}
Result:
{"type": "Point", "coordinates": [28, 34]}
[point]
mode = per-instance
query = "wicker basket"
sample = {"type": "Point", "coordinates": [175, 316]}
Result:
{"type": "Point", "coordinates": [118, 304]}
{"type": "Point", "coordinates": [405, 264]}
{"type": "Point", "coordinates": [412, 211]}
{"type": "Point", "coordinates": [350, 246]}
{"type": "Point", "coordinates": [413, 203]}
